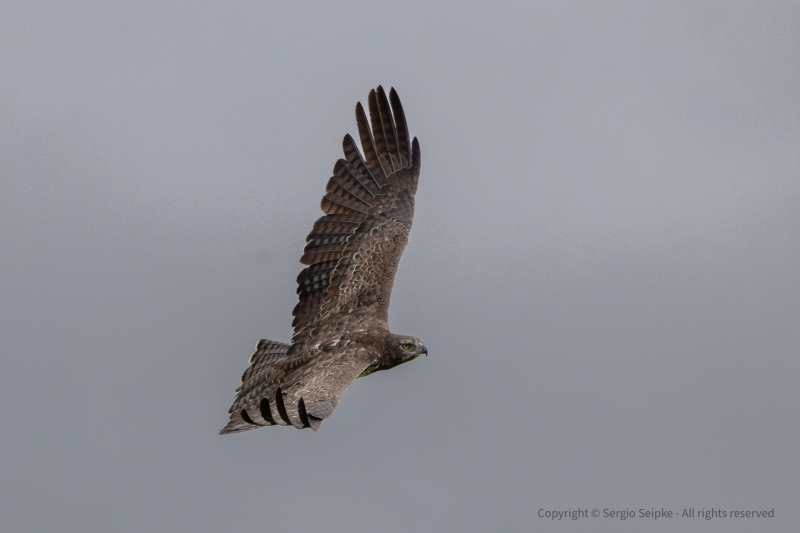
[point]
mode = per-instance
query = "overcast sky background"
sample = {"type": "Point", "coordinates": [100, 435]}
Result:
{"type": "Point", "coordinates": [605, 263]}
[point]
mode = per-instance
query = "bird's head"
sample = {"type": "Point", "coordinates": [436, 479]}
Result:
{"type": "Point", "coordinates": [402, 348]}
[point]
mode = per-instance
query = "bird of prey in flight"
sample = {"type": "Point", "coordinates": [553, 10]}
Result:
{"type": "Point", "coordinates": [341, 328]}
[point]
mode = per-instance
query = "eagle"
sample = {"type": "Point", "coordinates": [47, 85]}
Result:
{"type": "Point", "coordinates": [341, 323]}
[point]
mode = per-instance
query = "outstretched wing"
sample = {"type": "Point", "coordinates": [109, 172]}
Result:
{"type": "Point", "coordinates": [300, 390]}
{"type": "Point", "coordinates": [353, 251]}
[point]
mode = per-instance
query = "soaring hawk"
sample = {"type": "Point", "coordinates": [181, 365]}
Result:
{"type": "Point", "coordinates": [341, 329]}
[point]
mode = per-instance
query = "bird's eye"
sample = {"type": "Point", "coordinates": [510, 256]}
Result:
{"type": "Point", "coordinates": [406, 346]}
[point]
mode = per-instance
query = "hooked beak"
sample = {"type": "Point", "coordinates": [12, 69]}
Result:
{"type": "Point", "coordinates": [425, 350]}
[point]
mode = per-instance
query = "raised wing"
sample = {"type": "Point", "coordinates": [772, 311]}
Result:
{"type": "Point", "coordinates": [353, 251]}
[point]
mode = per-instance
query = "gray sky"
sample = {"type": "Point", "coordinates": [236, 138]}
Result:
{"type": "Point", "coordinates": [605, 263]}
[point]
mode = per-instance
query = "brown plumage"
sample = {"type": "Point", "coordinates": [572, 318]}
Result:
{"type": "Point", "coordinates": [341, 328]}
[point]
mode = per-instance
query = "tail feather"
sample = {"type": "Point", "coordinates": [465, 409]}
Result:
{"type": "Point", "coordinates": [263, 360]}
